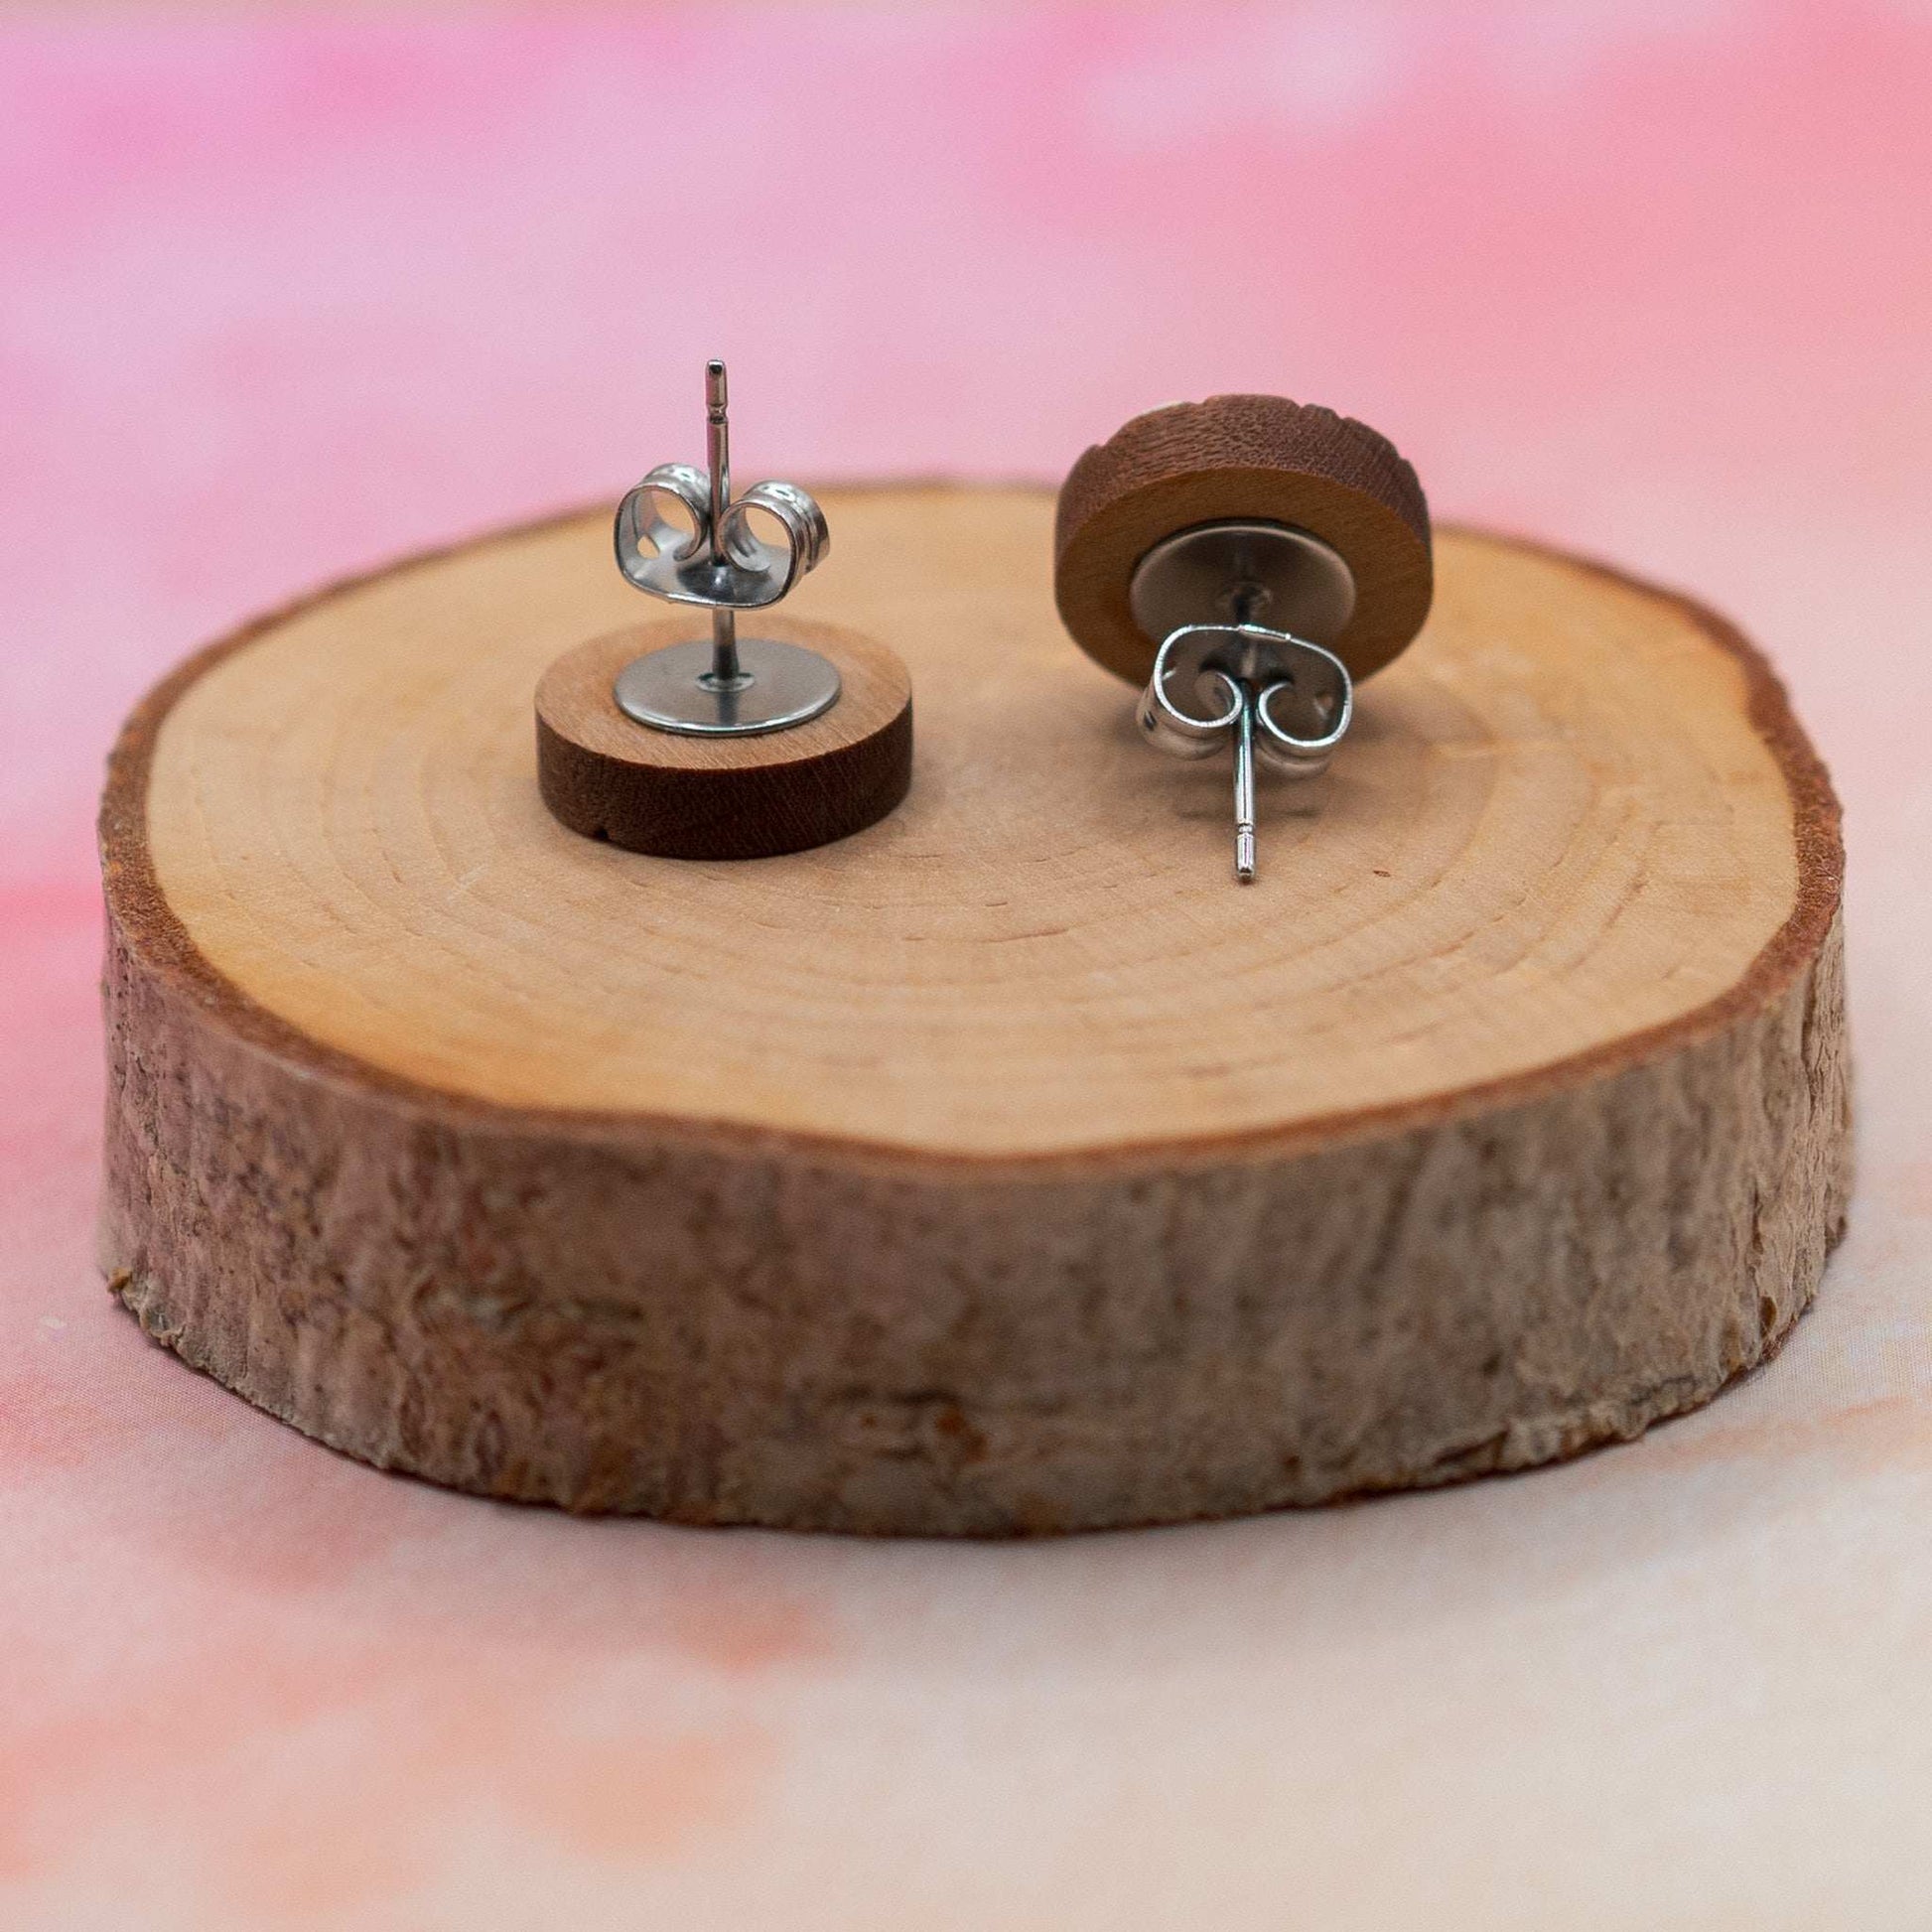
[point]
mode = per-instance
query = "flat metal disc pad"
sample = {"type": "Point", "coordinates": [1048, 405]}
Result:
{"type": "Point", "coordinates": [1270, 574]}
{"type": "Point", "coordinates": [781, 685]}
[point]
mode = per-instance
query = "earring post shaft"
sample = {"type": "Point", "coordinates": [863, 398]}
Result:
{"type": "Point", "coordinates": [726, 670]}
{"type": "Point", "coordinates": [1244, 786]}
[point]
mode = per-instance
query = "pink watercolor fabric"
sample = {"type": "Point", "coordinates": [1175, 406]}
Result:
{"type": "Point", "coordinates": [283, 294]}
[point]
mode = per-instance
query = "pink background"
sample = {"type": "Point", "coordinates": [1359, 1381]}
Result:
{"type": "Point", "coordinates": [282, 295]}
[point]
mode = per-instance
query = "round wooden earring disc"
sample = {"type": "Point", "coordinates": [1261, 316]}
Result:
{"type": "Point", "coordinates": [681, 796]}
{"type": "Point", "coordinates": [1259, 458]}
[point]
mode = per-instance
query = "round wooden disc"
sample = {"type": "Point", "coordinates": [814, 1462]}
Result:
{"type": "Point", "coordinates": [1004, 1166]}
{"type": "Point", "coordinates": [1259, 458]}
{"type": "Point", "coordinates": [685, 798]}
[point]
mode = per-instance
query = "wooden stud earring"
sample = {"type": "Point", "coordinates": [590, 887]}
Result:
{"type": "Point", "coordinates": [721, 745]}
{"type": "Point", "coordinates": [1246, 560]}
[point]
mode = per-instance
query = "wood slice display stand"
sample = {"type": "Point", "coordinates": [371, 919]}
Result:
{"type": "Point", "coordinates": [1003, 1168]}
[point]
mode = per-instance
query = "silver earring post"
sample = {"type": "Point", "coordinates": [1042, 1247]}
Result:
{"type": "Point", "coordinates": [726, 671]}
{"type": "Point", "coordinates": [1222, 675]}
{"type": "Point", "coordinates": [681, 536]}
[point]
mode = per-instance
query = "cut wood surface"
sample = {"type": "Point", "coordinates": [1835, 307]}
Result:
{"type": "Point", "coordinates": [1003, 1166]}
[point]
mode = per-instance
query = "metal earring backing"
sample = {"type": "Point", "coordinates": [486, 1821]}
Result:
{"type": "Point", "coordinates": [1223, 675]}
{"type": "Point", "coordinates": [713, 556]}
{"type": "Point", "coordinates": [1246, 559]}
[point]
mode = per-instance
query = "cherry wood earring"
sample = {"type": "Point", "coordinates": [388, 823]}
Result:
{"type": "Point", "coordinates": [666, 742]}
{"type": "Point", "coordinates": [1247, 560]}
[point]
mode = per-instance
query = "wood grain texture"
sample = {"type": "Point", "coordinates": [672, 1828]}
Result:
{"type": "Point", "coordinates": [606, 776]}
{"type": "Point", "coordinates": [999, 1168]}
{"type": "Point", "coordinates": [1242, 457]}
